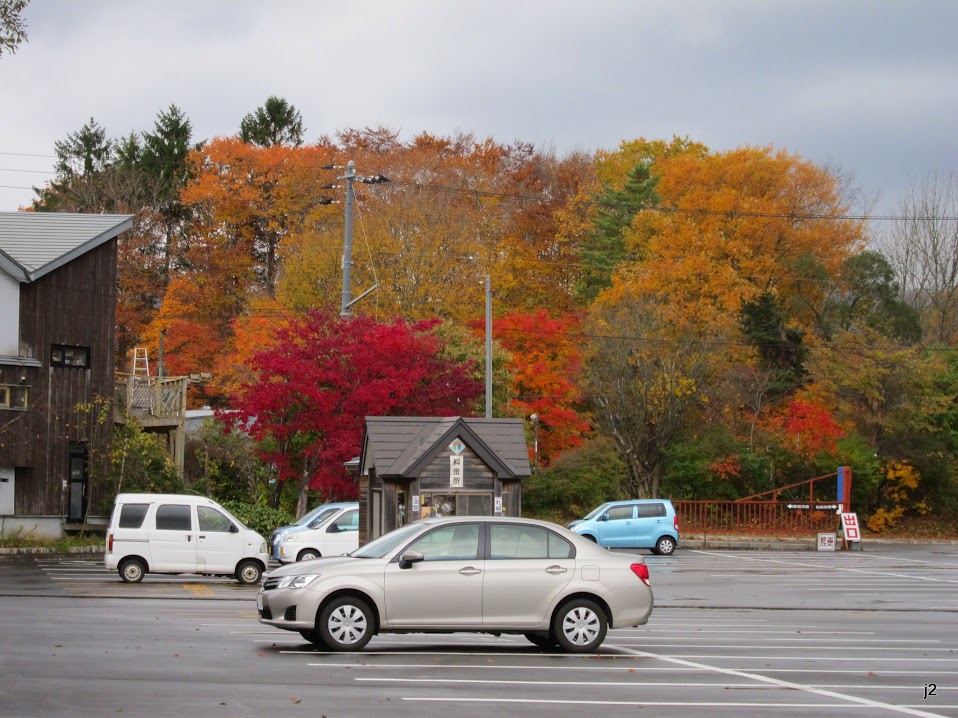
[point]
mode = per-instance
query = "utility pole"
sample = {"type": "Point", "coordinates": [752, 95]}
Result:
{"type": "Point", "coordinates": [351, 177]}
{"type": "Point", "coordinates": [488, 347]}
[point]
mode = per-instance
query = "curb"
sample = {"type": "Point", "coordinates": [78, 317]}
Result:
{"type": "Point", "coordinates": [35, 550]}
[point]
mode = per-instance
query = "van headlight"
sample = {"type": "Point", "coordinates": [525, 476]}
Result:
{"type": "Point", "coordinates": [297, 581]}
{"type": "Point", "coordinates": [292, 538]}
{"type": "Point", "coordinates": [262, 548]}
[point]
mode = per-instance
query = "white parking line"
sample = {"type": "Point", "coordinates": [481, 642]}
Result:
{"type": "Point", "coordinates": [610, 666]}
{"type": "Point", "coordinates": [867, 572]}
{"type": "Point", "coordinates": [825, 693]}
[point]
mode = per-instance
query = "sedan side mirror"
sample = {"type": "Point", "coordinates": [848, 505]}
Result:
{"type": "Point", "coordinates": [410, 557]}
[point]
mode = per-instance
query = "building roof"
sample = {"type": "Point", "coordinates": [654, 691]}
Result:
{"type": "Point", "coordinates": [33, 244]}
{"type": "Point", "coordinates": [400, 445]}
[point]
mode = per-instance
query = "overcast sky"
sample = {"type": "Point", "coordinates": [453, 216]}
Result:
{"type": "Point", "coordinates": [869, 86]}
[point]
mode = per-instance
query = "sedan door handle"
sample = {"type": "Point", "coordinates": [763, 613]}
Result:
{"type": "Point", "coordinates": [469, 571]}
{"type": "Point", "coordinates": [556, 569]}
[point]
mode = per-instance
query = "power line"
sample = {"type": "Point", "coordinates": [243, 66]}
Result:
{"type": "Point", "coordinates": [39, 172]}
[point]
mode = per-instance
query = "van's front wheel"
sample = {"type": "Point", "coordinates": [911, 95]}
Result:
{"type": "Point", "coordinates": [132, 570]}
{"type": "Point", "coordinates": [249, 572]}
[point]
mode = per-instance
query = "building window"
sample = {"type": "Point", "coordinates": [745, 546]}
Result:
{"type": "Point", "coordinates": [13, 396]}
{"type": "Point", "coordinates": [62, 355]}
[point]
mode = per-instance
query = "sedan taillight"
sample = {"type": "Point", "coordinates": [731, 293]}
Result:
{"type": "Point", "coordinates": [642, 571]}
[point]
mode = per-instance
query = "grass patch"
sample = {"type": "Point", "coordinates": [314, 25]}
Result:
{"type": "Point", "coordinates": [18, 538]}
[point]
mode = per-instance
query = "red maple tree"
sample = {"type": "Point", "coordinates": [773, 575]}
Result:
{"type": "Point", "coordinates": [325, 374]}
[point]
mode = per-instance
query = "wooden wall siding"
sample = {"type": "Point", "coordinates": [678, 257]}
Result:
{"type": "Point", "coordinates": [477, 476]}
{"type": "Point", "coordinates": [73, 305]}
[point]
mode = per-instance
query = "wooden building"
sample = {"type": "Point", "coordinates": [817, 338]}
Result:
{"type": "Point", "coordinates": [57, 333]}
{"type": "Point", "coordinates": [416, 467]}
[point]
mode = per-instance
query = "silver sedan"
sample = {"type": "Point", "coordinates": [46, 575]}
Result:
{"type": "Point", "coordinates": [470, 573]}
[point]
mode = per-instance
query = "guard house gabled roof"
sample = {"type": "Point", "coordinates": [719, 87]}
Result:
{"type": "Point", "coordinates": [401, 447]}
{"type": "Point", "coordinates": [33, 244]}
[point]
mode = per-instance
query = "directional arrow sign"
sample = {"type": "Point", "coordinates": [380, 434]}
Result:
{"type": "Point", "coordinates": [797, 506]}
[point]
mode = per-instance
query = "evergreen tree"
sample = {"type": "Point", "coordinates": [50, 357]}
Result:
{"type": "Point", "coordinates": [604, 247]}
{"type": "Point", "coordinates": [781, 348]}
{"type": "Point", "coordinates": [164, 160]}
{"type": "Point", "coordinates": [275, 123]}
{"type": "Point", "coordinates": [12, 28]}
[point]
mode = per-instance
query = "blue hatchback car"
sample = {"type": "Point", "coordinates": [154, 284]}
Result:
{"type": "Point", "coordinates": [638, 523]}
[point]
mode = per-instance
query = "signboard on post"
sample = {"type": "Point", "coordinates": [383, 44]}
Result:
{"type": "Point", "coordinates": [826, 542]}
{"type": "Point", "coordinates": [849, 529]}
{"type": "Point", "coordinates": [455, 471]}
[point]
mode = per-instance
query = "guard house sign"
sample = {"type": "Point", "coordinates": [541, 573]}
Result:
{"type": "Point", "coordinates": [456, 464]}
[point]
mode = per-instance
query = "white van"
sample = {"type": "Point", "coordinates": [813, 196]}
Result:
{"type": "Point", "coordinates": [170, 533]}
{"type": "Point", "coordinates": [332, 535]}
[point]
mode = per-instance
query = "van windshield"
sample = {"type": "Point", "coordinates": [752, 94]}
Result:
{"type": "Point", "coordinates": [307, 517]}
{"type": "Point", "coordinates": [322, 518]}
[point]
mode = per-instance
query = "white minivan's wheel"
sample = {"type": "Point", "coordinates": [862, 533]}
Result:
{"type": "Point", "coordinates": [579, 626]}
{"type": "Point", "coordinates": [132, 570]}
{"type": "Point", "coordinates": [665, 546]}
{"type": "Point", "coordinates": [308, 554]}
{"type": "Point", "coordinates": [249, 572]}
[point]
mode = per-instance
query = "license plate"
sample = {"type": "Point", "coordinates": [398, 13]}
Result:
{"type": "Point", "coordinates": [259, 602]}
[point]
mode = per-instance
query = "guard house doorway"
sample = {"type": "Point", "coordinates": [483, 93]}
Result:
{"type": "Point", "coordinates": [77, 483]}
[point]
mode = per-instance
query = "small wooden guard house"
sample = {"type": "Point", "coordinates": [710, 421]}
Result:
{"type": "Point", "coordinates": [415, 467]}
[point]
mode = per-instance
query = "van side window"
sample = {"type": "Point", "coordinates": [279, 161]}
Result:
{"type": "Point", "coordinates": [173, 517]}
{"type": "Point", "coordinates": [617, 513]}
{"type": "Point", "coordinates": [213, 520]}
{"type": "Point", "coordinates": [646, 510]}
{"type": "Point", "coordinates": [132, 515]}
{"type": "Point", "coordinates": [348, 522]}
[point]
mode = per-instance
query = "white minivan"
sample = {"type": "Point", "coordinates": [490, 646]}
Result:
{"type": "Point", "coordinates": [172, 533]}
{"type": "Point", "coordinates": [332, 535]}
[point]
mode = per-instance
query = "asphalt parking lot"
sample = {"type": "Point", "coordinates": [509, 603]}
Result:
{"type": "Point", "coordinates": [734, 633]}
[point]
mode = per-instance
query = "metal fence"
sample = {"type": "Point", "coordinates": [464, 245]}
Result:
{"type": "Point", "coordinates": [757, 517]}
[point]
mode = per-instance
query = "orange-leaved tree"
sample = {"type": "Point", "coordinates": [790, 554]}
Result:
{"type": "Point", "coordinates": [733, 225]}
{"type": "Point", "coordinates": [545, 366]}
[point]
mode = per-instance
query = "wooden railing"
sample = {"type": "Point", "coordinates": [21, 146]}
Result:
{"type": "Point", "coordinates": [757, 517]}
{"type": "Point", "coordinates": [160, 398]}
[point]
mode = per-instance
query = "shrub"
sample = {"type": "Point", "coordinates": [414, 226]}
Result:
{"type": "Point", "coordinates": [261, 519]}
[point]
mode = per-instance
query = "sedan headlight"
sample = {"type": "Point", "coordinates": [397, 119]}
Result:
{"type": "Point", "coordinates": [297, 581]}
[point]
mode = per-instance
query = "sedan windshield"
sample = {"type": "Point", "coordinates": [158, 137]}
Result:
{"type": "Point", "coordinates": [386, 543]}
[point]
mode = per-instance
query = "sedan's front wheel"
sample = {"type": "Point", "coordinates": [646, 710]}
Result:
{"type": "Point", "coordinates": [579, 626]}
{"type": "Point", "coordinates": [346, 624]}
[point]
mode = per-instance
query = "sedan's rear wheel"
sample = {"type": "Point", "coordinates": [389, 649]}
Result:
{"type": "Point", "coordinates": [543, 640]}
{"type": "Point", "coordinates": [579, 626]}
{"type": "Point", "coordinates": [346, 624]}
{"type": "Point", "coordinates": [665, 546]}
